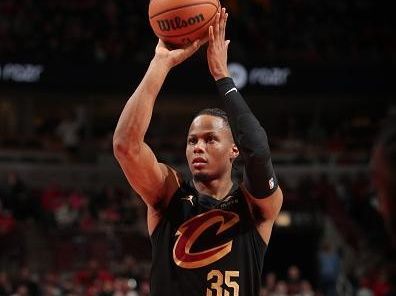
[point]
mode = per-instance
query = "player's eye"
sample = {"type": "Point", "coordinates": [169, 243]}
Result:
{"type": "Point", "coordinates": [192, 141]}
{"type": "Point", "coordinates": [210, 139]}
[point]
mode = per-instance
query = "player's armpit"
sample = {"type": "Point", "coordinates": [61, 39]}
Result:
{"type": "Point", "coordinates": [265, 211]}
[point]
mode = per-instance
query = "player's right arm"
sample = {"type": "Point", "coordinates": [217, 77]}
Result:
{"type": "Point", "coordinates": [153, 181]}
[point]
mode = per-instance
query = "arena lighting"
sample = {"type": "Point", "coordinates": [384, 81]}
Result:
{"type": "Point", "coordinates": [21, 72]}
{"type": "Point", "coordinates": [284, 219]}
{"type": "Point", "coordinates": [264, 76]}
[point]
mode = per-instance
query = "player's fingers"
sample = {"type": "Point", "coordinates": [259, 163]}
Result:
{"type": "Point", "coordinates": [225, 25]}
{"type": "Point", "coordinates": [160, 44]}
{"type": "Point", "coordinates": [190, 50]}
{"type": "Point", "coordinates": [217, 25]}
{"type": "Point", "coordinates": [211, 35]}
{"type": "Point", "coordinates": [195, 46]}
{"type": "Point", "coordinates": [187, 51]}
{"type": "Point", "coordinates": [221, 23]}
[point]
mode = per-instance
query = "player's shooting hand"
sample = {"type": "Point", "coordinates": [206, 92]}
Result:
{"type": "Point", "coordinates": [173, 57]}
{"type": "Point", "coordinates": [218, 46]}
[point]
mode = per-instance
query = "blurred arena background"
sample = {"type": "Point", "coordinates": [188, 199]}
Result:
{"type": "Point", "coordinates": [320, 75]}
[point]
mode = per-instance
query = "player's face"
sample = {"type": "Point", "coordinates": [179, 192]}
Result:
{"type": "Point", "coordinates": [210, 148]}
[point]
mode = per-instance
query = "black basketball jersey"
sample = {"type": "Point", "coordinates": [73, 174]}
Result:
{"type": "Point", "coordinates": [206, 247]}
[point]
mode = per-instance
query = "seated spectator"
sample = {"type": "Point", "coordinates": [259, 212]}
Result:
{"type": "Point", "coordinates": [363, 288]}
{"type": "Point", "coordinates": [65, 215]}
{"type": "Point", "coordinates": [306, 289]}
{"type": "Point", "coordinates": [270, 282]}
{"type": "Point", "coordinates": [92, 274]}
{"type": "Point", "coordinates": [25, 284]}
{"type": "Point", "coordinates": [280, 289]}
{"type": "Point", "coordinates": [5, 284]}
{"type": "Point", "coordinates": [7, 223]}
{"type": "Point", "coordinates": [293, 280]}
{"type": "Point", "coordinates": [329, 269]}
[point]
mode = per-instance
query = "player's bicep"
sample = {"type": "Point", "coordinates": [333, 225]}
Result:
{"type": "Point", "coordinates": [149, 178]}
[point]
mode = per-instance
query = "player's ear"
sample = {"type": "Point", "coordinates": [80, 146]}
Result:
{"type": "Point", "coordinates": [234, 152]}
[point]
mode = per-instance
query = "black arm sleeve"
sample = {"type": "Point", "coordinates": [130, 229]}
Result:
{"type": "Point", "coordinates": [251, 139]}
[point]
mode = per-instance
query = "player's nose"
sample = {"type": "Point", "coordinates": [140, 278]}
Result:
{"type": "Point", "coordinates": [199, 147]}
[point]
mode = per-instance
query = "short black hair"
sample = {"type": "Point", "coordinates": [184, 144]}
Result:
{"type": "Point", "coordinates": [217, 112]}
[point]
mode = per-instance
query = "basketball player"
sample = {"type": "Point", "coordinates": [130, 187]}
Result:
{"type": "Point", "coordinates": [209, 234]}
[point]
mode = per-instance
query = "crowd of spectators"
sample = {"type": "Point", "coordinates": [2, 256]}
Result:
{"type": "Point", "coordinates": [60, 208]}
{"type": "Point", "coordinates": [118, 31]}
{"type": "Point", "coordinates": [294, 284]}
{"type": "Point", "coordinates": [124, 278]}
{"type": "Point", "coordinates": [333, 137]}
{"type": "Point", "coordinates": [128, 277]}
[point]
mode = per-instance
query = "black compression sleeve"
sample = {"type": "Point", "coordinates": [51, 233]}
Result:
{"type": "Point", "coordinates": [251, 139]}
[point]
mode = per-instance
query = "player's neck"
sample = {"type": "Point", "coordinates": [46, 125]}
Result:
{"type": "Point", "coordinates": [217, 188]}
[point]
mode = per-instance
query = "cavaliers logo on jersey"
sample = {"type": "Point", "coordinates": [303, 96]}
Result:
{"type": "Point", "coordinates": [192, 230]}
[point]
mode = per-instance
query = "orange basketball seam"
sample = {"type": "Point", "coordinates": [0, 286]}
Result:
{"type": "Point", "coordinates": [189, 32]}
{"type": "Point", "coordinates": [183, 6]}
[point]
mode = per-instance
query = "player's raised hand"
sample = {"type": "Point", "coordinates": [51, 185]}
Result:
{"type": "Point", "coordinates": [218, 46]}
{"type": "Point", "coordinates": [173, 57]}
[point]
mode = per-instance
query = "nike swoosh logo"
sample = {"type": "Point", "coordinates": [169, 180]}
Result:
{"type": "Point", "coordinates": [232, 89]}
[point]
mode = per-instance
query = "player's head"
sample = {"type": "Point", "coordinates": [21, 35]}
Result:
{"type": "Point", "coordinates": [384, 175]}
{"type": "Point", "coordinates": [210, 147]}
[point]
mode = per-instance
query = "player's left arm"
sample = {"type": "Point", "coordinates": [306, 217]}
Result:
{"type": "Point", "coordinates": [260, 184]}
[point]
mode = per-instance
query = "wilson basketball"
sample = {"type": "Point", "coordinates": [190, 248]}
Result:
{"type": "Point", "coordinates": [181, 22]}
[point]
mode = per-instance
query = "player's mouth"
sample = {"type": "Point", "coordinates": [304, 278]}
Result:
{"type": "Point", "coordinates": [199, 162]}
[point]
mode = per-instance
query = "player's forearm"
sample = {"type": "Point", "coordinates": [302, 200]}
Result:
{"type": "Point", "coordinates": [251, 139]}
{"type": "Point", "coordinates": [136, 115]}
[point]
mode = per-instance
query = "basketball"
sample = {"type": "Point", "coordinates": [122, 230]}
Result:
{"type": "Point", "coordinates": [180, 22]}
